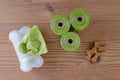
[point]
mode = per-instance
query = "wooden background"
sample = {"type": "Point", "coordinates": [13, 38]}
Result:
{"type": "Point", "coordinates": [59, 64]}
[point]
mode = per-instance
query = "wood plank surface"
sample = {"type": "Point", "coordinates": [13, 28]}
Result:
{"type": "Point", "coordinates": [59, 64]}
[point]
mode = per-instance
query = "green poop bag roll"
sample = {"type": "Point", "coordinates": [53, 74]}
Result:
{"type": "Point", "coordinates": [79, 19]}
{"type": "Point", "coordinates": [60, 24]}
{"type": "Point", "coordinates": [70, 41]}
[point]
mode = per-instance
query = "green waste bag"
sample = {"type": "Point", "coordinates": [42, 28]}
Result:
{"type": "Point", "coordinates": [80, 19]}
{"type": "Point", "coordinates": [70, 41]}
{"type": "Point", "coordinates": [60, 24]}
{"type": "Point", "coordinates": [33, 42]}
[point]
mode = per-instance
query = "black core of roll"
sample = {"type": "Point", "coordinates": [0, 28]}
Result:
{"type": "Point", "coordinates": [79, 19]}
{"type": "Point", "coordinates": [60, 24]}
{"type": "Point", "coordinates": [70, 41]}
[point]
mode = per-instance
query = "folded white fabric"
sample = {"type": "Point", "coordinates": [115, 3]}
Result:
{"type": "Point", "coordinates": [27, 62]}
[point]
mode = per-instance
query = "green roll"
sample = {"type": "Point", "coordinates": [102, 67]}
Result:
{"type": "Point", "coordinates": [80, 19]}
{"type": "Point", "coordinates": [60, 24]}
{"type": "Point", "coordinates": [70, 41]}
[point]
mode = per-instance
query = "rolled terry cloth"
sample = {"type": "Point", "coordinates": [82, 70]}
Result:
{"type": "Point", "coordinates": [27, 61]}
{"type": "Point", "coordinates": [60, 24]}
{"type": "Point", "coordinates": [70, 41]}
{"type": "Point", "coordinates": [80, 19]}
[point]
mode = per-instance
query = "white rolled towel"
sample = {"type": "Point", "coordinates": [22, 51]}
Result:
{"type": "Point", "coordinates": [27, 62]}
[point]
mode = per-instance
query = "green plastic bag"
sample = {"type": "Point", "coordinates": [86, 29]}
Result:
{"type": "Point", "coordinates": [60, 24]}
{"type": "Point", "coordinates": [80, 19]}
{"type": "Point", "coordinates": [70, 41]}
{"type": "Point", "coordinates": [33, 42]}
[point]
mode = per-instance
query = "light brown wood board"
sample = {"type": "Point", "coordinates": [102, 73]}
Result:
{"type": "Point", "coordinates": [59, 64]}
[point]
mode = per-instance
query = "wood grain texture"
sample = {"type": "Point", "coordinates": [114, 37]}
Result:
{"type": "Point", "coordinates": [59, 64]}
